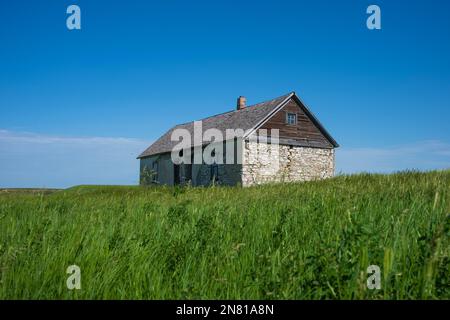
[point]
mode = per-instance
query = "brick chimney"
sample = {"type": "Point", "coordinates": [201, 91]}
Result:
{"type": "Point", "coordinates": [241, 103]}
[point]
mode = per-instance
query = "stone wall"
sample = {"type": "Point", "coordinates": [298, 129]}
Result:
{"type": "Point", "coordinates": [264, 163]}
{"type": "Point", "coordinates": [261, 163]}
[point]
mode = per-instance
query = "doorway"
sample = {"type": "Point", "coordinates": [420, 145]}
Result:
{"type": "Point", "coordinates": [176, 174]}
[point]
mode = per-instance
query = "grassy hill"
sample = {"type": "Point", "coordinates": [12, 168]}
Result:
{"type": "Point", "coordinates": [283, 241]}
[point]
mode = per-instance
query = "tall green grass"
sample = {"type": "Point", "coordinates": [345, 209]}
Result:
{"type": "Point", "coordinates": [310, 240]}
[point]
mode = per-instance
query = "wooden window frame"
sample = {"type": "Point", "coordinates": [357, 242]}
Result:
{"type": "Point", "coordinates": [287, 118]}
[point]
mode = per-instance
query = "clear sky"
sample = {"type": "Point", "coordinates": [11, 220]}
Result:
{"type": "Point", "coordinates": [78, 106]}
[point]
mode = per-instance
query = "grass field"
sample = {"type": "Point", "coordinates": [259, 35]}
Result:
{"type": "Point", "coordinates": [310, 240]}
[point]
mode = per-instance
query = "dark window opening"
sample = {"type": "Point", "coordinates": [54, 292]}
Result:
{"type": "Point", "coordinates": [187, 172]}
{"type": "Point", "coordinates": [214, 172]}
{"type": "Point", "coordinates": [155, 171]}
{"type": "Point", "coordinates": [176, 174]}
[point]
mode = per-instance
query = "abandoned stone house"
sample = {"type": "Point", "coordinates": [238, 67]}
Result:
{"type": "Point", "coordinates": [304, 150]}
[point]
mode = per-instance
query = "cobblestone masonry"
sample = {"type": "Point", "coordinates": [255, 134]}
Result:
{"type": "Point", "coordinates": [264, 163]}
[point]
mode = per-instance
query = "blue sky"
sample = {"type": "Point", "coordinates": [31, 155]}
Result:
{"type": "Point", "coordinates": [78, 106]}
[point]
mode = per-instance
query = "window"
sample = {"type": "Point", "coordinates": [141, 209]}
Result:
{"type": "Point", "coordinates": [214, 172]}
{"type": "Point", "coordinates": [291, 118]}
{"type": "Point", "coordinates": [155, 172]}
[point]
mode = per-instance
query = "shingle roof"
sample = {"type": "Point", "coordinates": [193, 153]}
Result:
{"type": "Point", "coordinates": [246, 119]}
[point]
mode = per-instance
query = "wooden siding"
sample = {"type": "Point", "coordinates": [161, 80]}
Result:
{"type": "Point", "coordinates": [304, 132]}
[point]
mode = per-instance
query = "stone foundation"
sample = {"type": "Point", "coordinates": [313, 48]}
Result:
{"type": "Point", "coordinates": [264, 163]}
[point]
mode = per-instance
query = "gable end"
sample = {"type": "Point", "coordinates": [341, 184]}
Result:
{"type": "Point", "coordinates": [307, 130]}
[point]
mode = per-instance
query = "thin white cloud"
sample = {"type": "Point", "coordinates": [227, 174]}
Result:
{"type": "Point", "coordinates": [423, 155]}
{"type": "Point", "coordinates": [29, 137]}
{"type": "Point", "coordinates": [36, 160]}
